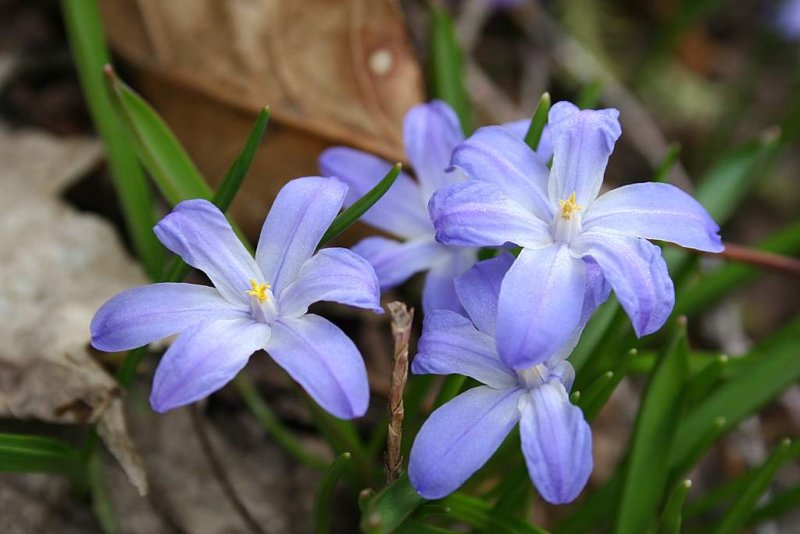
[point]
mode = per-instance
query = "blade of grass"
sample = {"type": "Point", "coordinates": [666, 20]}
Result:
{"type": "Point", "coordinates": [777, 506]}
{"type": "Point", "coordinates": [538, 122]}
{"type": "Point", "coordinates": [230, 184]}
{"type": "Point", "coordinates": [451, 386]}
{"type": "Point", "coordinates": [447, 75]}
{"type": "Point", "coordinates": [656, 423]}
{"type": "Point", "coordinates": [388, 509]}
{"type": "Point", "coordinates": [102, 507]}
{"type": "Point", "coordinates": [670, 158]}
{"type": "Point", "coordinates": [85, 34]}
{"type": "Point", "coordinates": [670, 520]}
{"type": "Point", "coordinates": [323, 499]}
{"type": "Point", "coordinates": [20, 453]}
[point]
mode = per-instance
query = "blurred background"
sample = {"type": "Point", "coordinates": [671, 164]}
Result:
{"type": "Point", "coordinates": [713, 81]}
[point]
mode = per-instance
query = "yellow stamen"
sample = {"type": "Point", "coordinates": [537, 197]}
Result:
{"type": "Point", "coordinates": [259, 291]}
{"type": "Point", "coordinates": [569, 206]}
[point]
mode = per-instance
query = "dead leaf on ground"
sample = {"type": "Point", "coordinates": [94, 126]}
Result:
{"type": "Point", "coordinates": [331, 72]}
{"type": "Point", "coordinates": [57, 266]}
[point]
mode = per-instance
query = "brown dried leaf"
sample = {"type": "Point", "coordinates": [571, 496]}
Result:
{"type": "Point", "coordinates": [58, 266]}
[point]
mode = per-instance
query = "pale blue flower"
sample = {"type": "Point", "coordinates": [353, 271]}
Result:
{"type": "Point", "coordinates": [255, 304]}
{"type": "Point", "coordinates": [563, 227]}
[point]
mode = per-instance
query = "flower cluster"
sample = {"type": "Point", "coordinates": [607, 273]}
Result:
{"type": "Point", "coordinates": [509, 322]}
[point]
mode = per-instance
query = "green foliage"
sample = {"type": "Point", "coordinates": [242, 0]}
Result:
{"type": "Point", "coordinates": [538, 122]}
{"type": "Point", "coordinates": [38, 454]}
{"type": "Point", "coordinates": [446, 66]}
{"type": "Point", "coordinates": [323, 499]}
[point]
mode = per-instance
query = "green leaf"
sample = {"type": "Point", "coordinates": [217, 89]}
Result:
{"type": "Point", "coordinates": [656, 424]}
{"type": "Point", "coordinates": [159, 150]}
{"type": "Point", "coordinates": [20, 453]}
{"type": "Point", "coordinates": [598, 328]}
{"type": "Point", "coordinates": [102, 507]}
{"type": "Point", "coordinates": [670, 158]}
{"type": "Point", "coordinates": [85, 34]}
{"type": "Point", "coordinates": [589, 95]}
{"type": "Point", "coordinates": [743, 506]}
{"type": "Point", "coordinates": [670, 520]}
{"type": "Point", "coordinates": [360, 206]}
{"type": "Point", "coordinates": [230, 184]}
{"type": "Point", "coordinates": [538, 122]}
{"type": "Point", "coordinates": [451, 387]}
{"type": "Point", "coordinates": [478, 514]}
{"type": "Point", "coordinates": [446, 66]}
{"type": "Point", "coordinates": [389, 508]}
{"type": "Point", "coordinates": [777, 506]}
{"type": "Point", "coordinates": [323, 499]}
{"type": "Point", "coordinates": [705, 380]}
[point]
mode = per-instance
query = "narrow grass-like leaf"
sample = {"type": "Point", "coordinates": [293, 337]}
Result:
{"type": "Point", "coordinates": [282, 435]}
{"type": "Point", "coordinates": [159, 150]}
{"type": "Point", "coordinates": [538, 122]}
{"type": "Point", "coordinates": [701, 446]}
{"type": "Point", "coordinates": [323, 499]}
{"type": "Point", "coordinates": [478, 514]}
{"type": "Point", "coordinates": [656, 422]}
{"type": "Point", "coordinates": [597, 328]}
{"type": "Point", "coordinates": [85, 34]}
{"type": "Point", "coordinates": [20, 453]}
{"type": "Point", "coordinates": [447, 76]}
{"type": "Point", "coordinates": [360, 206]}
{"type": "Point", "coordinates": [670, 158]}
{"type": "Point", "coordinates": [705, 380]}
{"type": "Point", "coordinates": [744, 504]}
{"type": "Point", "coordinates": [725, 493]}
{"type": "Point", "coordinates": [777, 506]}
{"type": "Point", "coordinates": [230, 184]}
{"type": "Point", "coordinates": [389, 508]}
{"type": "Point", "coordinates": [589, 95]}
{"type": "Point", "coordinates": [670, 520]}
{"type": "Point", "coordinates": [102, 507]}
{"type": "Point", "coordinates": [451, 387]}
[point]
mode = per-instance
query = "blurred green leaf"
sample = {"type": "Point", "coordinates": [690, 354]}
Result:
{"type": "Point", "coordinates": [656, 424]}
{"type": "Point", "coordinates": [20, 453]}
{"type": "Point", "coordinates": [446, 69]}
{"type": "Point", "coordinates": [589, 95]}
{"type": "Point", "coordinates": [451, 387]}
{"type": "Point", "coordinates": [232, 181]}
{"type": "Point", "coordinates": [670, 158]}
{"type": "Point", "coordinates": [600, 324]}
{"type": "Point", "coordinates": [323, 499]}
{"type": "Point", "coordinates": [85, 34]}
{"type": "Point", "coordinates": [705, 380]}
{"type": "Point", "coordinates": [102, 507]}
{"type": "Point", "coordinates": [360, 206]}
{"type": "Point", "coordinates": [389, 508]}
{"type": "Point", "coordinates": [670, 520]}
{"type": "Point", "coordinates": [478, 514]}
{"type": "Point", "coordinates": [736, 516]}
{"type": "Point", "coordinates": [538, 122]}
{"type": "Point", "coordinates": [159, 150]}
{"type": "Point", "coordinates": [777, 506]}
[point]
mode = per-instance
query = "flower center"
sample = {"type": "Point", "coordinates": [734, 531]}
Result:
{"type": "Point", "coordinates": [532, 377]}
{"type": "Point", "coordinates": [259, 290]}
{"type": "Point", "coordinates": [569, 206]}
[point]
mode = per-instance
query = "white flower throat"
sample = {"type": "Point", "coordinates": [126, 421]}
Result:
{"type": "Point", "coordinates": [567, 222]}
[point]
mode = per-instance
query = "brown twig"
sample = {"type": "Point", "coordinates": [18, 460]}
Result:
{"type": "Point", "coordinates": [218, 469]}
{"type": "Point", "coordinates": [402, 317]}
{"type": "Point", "coordinates": [759, 258]}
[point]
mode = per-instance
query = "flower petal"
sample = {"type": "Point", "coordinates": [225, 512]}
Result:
{"type": "Point", "coordinates": [439, 292]}
{"type": "Point", "coordinates": [332, 274]}
{"type": "Point", "coordinates": [324, 361]}
{"type": "Point", "coordinates": [637, 272]}
{"type": "Point", "coordinates": [431, 131]}
{"type": "Point", "coordinates": [141, 315]}
{"type": "Point", "coordinates": [479, 288]}
{"type": "Point", "coordinates": [540, 305]}
{"type": "Point", "coordinates": [203, 359]}
{"type": "Point", "coordinates": [545, 149]}
{"type": "Point", "coordinates": [556, 443]}
{"type": "Point", "coordinates": [300, 215]}
{"type": "Point", "coordinates": [396, 262]}
{"type": "Point", "coordinates": [458, 438]}
{"type": "Point", "coordinates": [450, 344]}
{"type": "Point", "coordinates": [582, 142]}
{"type": "Point", "coordinates": [495, 154]}
{"type": "Point", "coordinates": [478, 213]}
{"type": "Point", "coordinates": [654, 211]}
{"type": "Point", "coordinates": [400, 211]}
{"type": "Point", "coordinates": [198, 232]}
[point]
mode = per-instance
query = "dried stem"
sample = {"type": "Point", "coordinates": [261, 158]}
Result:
{"type": "Point", "coordinates": [402, 318]}
{"type": "Point", "coordinates": [759, 258]}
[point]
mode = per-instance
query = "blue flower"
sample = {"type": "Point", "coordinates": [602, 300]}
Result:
{"type": "Point", "coordinates": [255, 304]}
{"type": "Point", "coordinates": [565, 229]}
{"type": "Point", "coordinates": [461, 436]}
{"type": "Point", "coordinates": [787, 19]}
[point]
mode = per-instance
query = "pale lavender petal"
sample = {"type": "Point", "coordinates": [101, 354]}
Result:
{"type": "Point", "coordinates": [458, 438]}
{"type": "Point", "coordinates": [637, 272]}
{"type": "Point", "coordinates": [199, 233]}
{"type": "Point", "coordinates": [556, 443]}
{"type": "Point", "coordinates": [582, 142]}
{"type": "Point", "coordinates": [334, 275]}
{"type": "Point", "coordinates": [431, 131]}
{"type": "Point", "coordinates": [203, 359]}
{"type": "Point", "coordinates": [439, 291]}
{"type": "Point", "coordinates": [787, 19]}
{"type": "Point", "coordinates": [540, 305]}
{"type": "Point", "coordinates": [450, 344]}
{"type": "Point", "coordinates": [300, 215]}
{"type": "Point", "coordinates": [141, 315]}
{"type": "Point", "coordinates": [395, 262]}
{"type": "Point", "coordinates": [324, 361]}
{"type": "Point", "coordinates": [477, 213]}
{"type": "Point", "coordinates": [479, 288]}
{"type": "Point", "coordinates": [400, 211]}
{"type": "Point", "coordinates": [545, 149]}
{"type": "Point", "coordinates": [654, 211]}
{"type": "Point", "coordinates": [495, 154]}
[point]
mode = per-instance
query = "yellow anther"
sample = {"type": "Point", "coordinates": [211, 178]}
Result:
{"type": "Point", "coordinates": [259, 291]}
{"type": "Point", "coordinates": [569, 206]}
